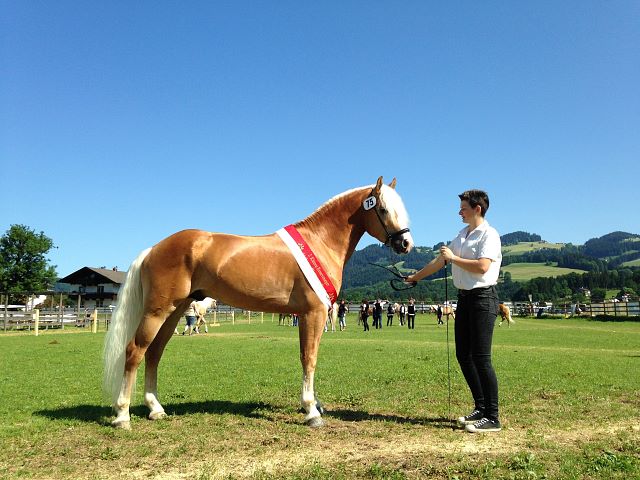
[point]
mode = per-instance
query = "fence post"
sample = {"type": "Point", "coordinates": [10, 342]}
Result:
{"type": "Point", "coordinates": [61, 313]}
{"type": "Point", "coordinates": [249, 316]}
{"type": "Point", "coordinates": [261, 317]}
{"type": "Point", "coordinates": [94, 321]}
{"type": "Point", "coordinates": [6, 300]}
{"type": "Point", "coordinates": [215, 317]}
{"type": "Point", "coordinates": [272, 317]}
{"type": "Point", "coordinates": [233, 317]}
{"type": "Point", "coordinates": [36, 317]}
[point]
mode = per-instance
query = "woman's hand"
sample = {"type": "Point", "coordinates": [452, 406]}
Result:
{"type": "Point", "coordinates": [447, 254]}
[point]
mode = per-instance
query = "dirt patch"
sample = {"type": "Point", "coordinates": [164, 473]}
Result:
{"type": "Point", "coordinates": [361, 444]}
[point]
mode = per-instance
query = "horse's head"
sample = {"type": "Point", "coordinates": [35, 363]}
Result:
{"type": "Point", "coordinates": [386, 218]}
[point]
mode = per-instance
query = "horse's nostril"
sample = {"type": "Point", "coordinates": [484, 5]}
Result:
{"type": "Point", "coordinates": [405, 243]}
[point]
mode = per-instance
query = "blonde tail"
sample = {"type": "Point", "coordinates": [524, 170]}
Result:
{"type": "Point", "coordinates": [124, 323]}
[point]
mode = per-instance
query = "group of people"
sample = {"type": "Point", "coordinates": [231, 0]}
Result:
{"type": "Point", "coordinates": [405, 313]}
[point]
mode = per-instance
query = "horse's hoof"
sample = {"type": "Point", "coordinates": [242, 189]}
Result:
{"type": "Point", "coordinates": [157, 415]}
{"type": "Point", "coordinates": [123, 424]}
{"type": "Point", "coordinates": [315, 422]}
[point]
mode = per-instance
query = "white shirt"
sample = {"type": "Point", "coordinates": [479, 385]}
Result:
{"type": "Point", "coordinates": [482, 242]}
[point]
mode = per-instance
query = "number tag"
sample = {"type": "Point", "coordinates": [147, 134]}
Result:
{"type": "Point", "coordinates": [369, 203]}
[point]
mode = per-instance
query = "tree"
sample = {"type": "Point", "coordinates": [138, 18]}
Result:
{"type": "Point", "coordinates": [598, 294]}
{"type": "Point", "coordinates": [23, 266]}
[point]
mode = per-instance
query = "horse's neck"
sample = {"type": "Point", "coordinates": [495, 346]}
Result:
{"type": "Point", "coordinates": [336, 227]}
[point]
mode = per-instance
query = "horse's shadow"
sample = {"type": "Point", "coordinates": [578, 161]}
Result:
{"type": "Point", "coordinates": [101, 414]}
{"type": "Point", "coordinates": [362, 416]}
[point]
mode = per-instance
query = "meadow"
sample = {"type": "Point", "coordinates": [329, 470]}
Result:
{"type": "Point", "coordinates": [570, 406]}
{"type": "Point", "coordinates": [521, 272]}
{"type": "Point", "coordinates": [524, 247]}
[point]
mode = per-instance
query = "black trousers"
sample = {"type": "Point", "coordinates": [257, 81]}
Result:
{"type": "Point", "coordinates": [475, 319]}
{"type": "Point", "coordinates": [365, 322]}
{"type": "Point", "coordinates": [389, 320]}
{"type": "Point", "coordinates": [411, 323]}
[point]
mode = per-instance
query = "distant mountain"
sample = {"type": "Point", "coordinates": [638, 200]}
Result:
{"type": "Point", "coordinates": [612, 245]}
{"type": "Point", "coordinates": [597, 254]}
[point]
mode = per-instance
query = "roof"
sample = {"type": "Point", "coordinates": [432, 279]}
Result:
{"type": "Point", "coordinates": [94, 276]}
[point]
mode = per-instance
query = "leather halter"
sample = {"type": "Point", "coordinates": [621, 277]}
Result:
{"type": "Point", "coordinates": [390, 236]}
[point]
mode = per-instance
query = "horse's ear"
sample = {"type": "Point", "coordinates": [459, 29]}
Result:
{"type": "Point", "coordinates": [379, 184]}
{"type": "Point", "coordinates": [393, 183]}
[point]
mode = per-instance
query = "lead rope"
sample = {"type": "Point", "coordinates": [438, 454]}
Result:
{"type": "Point", "coordinates": [446, 302]}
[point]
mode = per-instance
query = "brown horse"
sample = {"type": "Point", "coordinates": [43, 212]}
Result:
{"type": "Point", "coordinates": [253, 273]}
{"type": "Point", "coordinates": [505, 314]}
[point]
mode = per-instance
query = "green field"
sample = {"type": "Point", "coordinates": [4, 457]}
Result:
{"type": "Point", "coordinates": [527, 271]}
{"type": "Point", "coordinates": [570, 406]}
{"type": "Point", "coordinates": [632, 263]}
{"type": "Point", "coordinates": [524, 247]}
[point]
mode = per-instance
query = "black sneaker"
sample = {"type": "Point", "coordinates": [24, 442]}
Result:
{"type": "Point", "coordinates": [473, 417]}
{"type": "Point", "coordinates": [484, 425]}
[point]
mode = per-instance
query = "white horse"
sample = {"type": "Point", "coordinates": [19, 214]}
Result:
{"type": "Point", "coordinates": [201, 310]}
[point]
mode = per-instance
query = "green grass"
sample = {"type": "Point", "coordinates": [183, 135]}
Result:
{"type": "Point", "coordinates": [568, 389]}
{"type": "Point", "coordinates": [632, 263]}
{"type": "Point", "coordinates": [527, 271]}
{"type": "Point", "coordinates": [524, 247]}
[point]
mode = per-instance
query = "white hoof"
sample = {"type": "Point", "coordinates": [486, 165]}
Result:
{"type": "Point", "coordinates": [157, 415]}
{"type": "Point", "coordinates": [124, 424]}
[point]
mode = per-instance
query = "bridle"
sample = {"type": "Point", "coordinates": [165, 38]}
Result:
{"type": "Point", "coordinates": [391, 236]}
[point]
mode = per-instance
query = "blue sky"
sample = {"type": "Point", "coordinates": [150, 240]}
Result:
{"type": "Point", "coordinates": [123, 122]}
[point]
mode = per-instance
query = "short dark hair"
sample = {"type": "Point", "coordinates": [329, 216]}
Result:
{"type": "Point", "coordinates": [475, 198]}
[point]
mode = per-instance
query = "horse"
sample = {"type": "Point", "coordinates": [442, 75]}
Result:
{"type": "Point", "coordinates": [332, 318]}
{"type": "Point", "coordinates": [201, 310]}
{"type": "Point", "coordinates": [505, 314]}
{"type": "Point", "coordinates": [284, 317]}
{"type": "Point", "coordinates": [254, 273]}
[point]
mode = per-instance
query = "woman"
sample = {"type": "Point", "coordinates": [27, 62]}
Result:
{"type": "Point", "coordinates": [475, 257]}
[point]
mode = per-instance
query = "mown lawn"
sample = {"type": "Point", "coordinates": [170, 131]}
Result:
{"type": "Point", "coordinates": [570, 400]}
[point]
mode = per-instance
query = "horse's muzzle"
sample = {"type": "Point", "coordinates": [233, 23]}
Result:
{"type": "Point", "coordinates": [402, 243]}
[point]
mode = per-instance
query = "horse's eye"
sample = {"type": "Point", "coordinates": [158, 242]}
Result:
{"type": "Point", "coordinates": [384, 211]}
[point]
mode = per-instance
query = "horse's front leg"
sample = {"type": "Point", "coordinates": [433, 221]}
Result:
{"type": "Point", "coordinates": [310, 329]}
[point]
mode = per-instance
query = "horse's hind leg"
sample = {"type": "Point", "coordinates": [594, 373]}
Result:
{"type": "Point", "coordinates": [152, 359]}
{"type": "Point", "coordinates": [136, 349]}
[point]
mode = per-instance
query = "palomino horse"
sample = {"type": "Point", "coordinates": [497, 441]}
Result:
{"type": "Point", "coordinates": [201, 310]}
{"type": "Point", "coordinates": [505, 314]}
{"type": "Point", "coordinates": [253, 273]}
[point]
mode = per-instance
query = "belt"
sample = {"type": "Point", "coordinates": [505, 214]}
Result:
{"type": "Point", "coordinates": [474, 291]}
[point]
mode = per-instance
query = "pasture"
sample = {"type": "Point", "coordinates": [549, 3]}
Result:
{"type": "Point", "coordinates": [524, 247]}
{"type": "Point", "coordinates": [569, 389]}
{"type": "Point", "coordinates": [526, 271]}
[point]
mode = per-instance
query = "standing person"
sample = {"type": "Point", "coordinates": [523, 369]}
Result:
{"type": "Point", "coordinates": [364, 315]}
{"type": "Point", "coordinates": [377, 314]}
{"type": "Point", "coordinates": [411, 314]}
{"type": "Point", "coordinates": [342, 315]}
{"type": "Point", "coordinates": [439, 314]}
{"type": "Point", "coordinates": [403, 312]}
{"type": "Point", "coordinates": [390, 312]}
{"type": "Point", "coordinates": [475, 259]}
{"type": "Point", "coordinates": [190, 316]}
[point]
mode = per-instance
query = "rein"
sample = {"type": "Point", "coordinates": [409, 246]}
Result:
{"type": "Point", "coordinates": [446, 302]}
{"type": "Point", "coordinates": [400, 280]}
